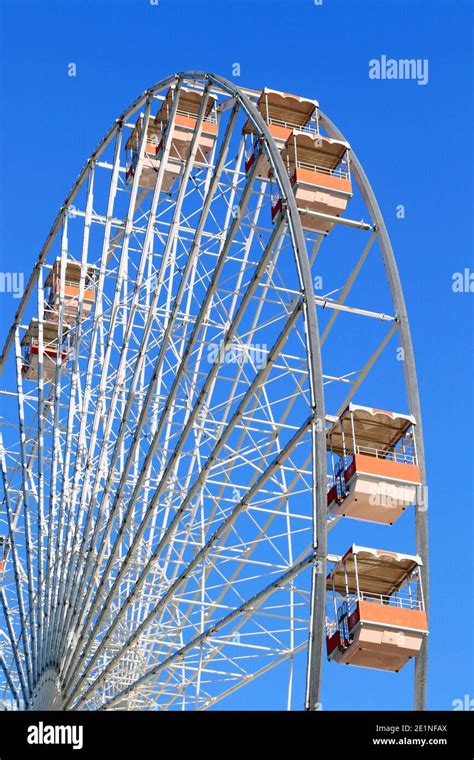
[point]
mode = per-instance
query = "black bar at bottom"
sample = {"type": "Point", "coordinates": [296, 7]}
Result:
{"type": "Point", "coordinates": [137, 735]}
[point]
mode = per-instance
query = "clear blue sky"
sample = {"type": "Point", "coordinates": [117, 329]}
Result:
{"type": "Point", "coordinates": [415, 143]}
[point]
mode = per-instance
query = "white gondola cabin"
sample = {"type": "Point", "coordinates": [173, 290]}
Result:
{"type": "Point", "coordinates": [283, 113]}
{"type": "Point", "coordinates": [374, 468]}
{"type": "Point", "coordinates": [376, 613]}
{"type": "Point", "coordinates": [184, 126]}
{"type": "Point", "coordinates": [320, 177]}
{"type": "Point", "coordinates": [53, 349]}
{"type": "Point", "coordinates": [72, 278]}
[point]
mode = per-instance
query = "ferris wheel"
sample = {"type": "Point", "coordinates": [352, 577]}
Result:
{"type": "Point", "coordinates": [195, 395]}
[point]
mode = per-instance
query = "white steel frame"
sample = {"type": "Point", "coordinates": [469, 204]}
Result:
{"type": "Point", "coordinates": [166, 506]}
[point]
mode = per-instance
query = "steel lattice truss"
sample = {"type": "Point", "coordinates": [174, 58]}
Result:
{"type": "Point", "coordinates": [159, 495]}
